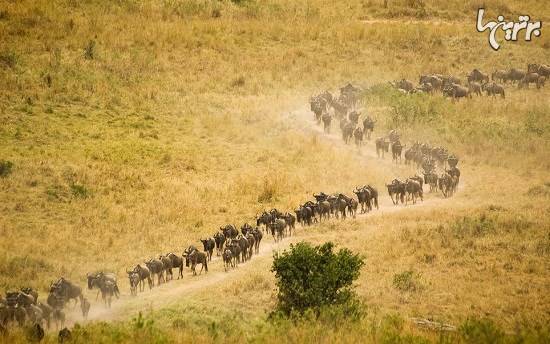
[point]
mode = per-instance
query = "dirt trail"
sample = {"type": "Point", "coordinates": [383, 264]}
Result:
{"type": "Point", "coordinates": [170, 293]}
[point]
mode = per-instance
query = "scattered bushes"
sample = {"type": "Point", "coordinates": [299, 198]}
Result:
{"type": "Point", "coordinates": [312, 278]}
{"type": "Point", "coordinates": [89, 50]}
{"type": "Point", "coordinates": [8, 59]}
{"type": "Point", "coordinates": [5, 168]}
{"type": "Point", "coordinates": [407, 281]}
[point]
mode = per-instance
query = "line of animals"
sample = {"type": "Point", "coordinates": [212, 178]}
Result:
{"type": "Point", "coordinates": [477, 82]}
{"type": "Point", "coordinates": [421, 154]}
{"type": "Point", "coordinates": [24, 307]}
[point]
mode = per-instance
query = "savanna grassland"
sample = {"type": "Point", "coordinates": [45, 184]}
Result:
{"type": "Point", "coordinates": [132, 128]}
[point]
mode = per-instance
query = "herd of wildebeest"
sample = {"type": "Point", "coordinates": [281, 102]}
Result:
{"type": "Point", "coordinates": [237, 245]}
{"type": "Point", "coordinates": [477, 82]}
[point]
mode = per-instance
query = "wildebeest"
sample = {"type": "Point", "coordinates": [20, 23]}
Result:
{"type": "Point", "coordinates": [257, 239]}
{"type": "Point", "coordinates": [430, 178]}
{"type": "Point", "coordinates": [251, 239]}
{"type": "Point", "coordinates": [396, 149]}
{"type": "Point", "coordinates": [368, 126]}
{"type": "Point", "coordinates": [414, 190]}
{"type": "Point", "coordinates": [157, 268]}
{"type": "Point", "coordinates": [167, 267]}
{"type": "Point", "coordinates": [245, 228]}
{"type": "Point", "coordinates": [230, 231]}
{"type": "Point", "coordinates": [318, 106]}
{"type": "Point", "coordinates": [219, 238]}
{"type": "Point", "coordinates": [433, 80]}
{"type": "Point", "coordinates": [340, 109]}
{"type": "Point", "coordinates": [403, 84]}
{"type": "Point", "coordinates": [98, 279]}
{"type": "Point", "coordinates": [85, 306]}
{"type": "Point", "coordinates": [133, 279]}
{"type": "Point", "coordinates": [143, 273]}
{"type": "Point", "coordinates": [227, 256]}
{"type": "Point", "coordinates": [327, 119]}
{"type": "Point", "coordinates": [264, 219]}
{"type": "Point", "coordinates": [500, 75]}
{"type": "Point", "coordinates": [47, 312]}
{"type": "Point", "coordinates": [67, 290]}
{"type": "Point", "coordinates": [358, 135]}
{"type": "Point", "coordinates": [208, 245]}
{"type": "Point", "coordinates": [477, 75]}
{"type": "Point", "coordinates": [290, 222]}
{"type": "Point", "coordinates": [382, 146]}
{"type": "Point", "coordinates": [445, 183]}
{"type": "Point", "coordinates": [493, 89]}
{"type": "Point", "coordinates": [347, 132]}
{"type": "Point", "coordinates": [195, 257]}
{"type": "Point", "coordinates": [456, 91]}
{"type": "Point", "coordinates": [235, 248]}
{"type": "Point", "coordinates": [542, 70]}
{"type": "Point", "coordinates": [277, 228]}
{"type": "Point", "coordinates": [177, 262]}
{"type": "Point", "coordinates": [397, 189]}
{"type": "Point", "coordinates": [244, 244]}
{"type": "Point", "coordinates": [541, 81]}
{"type": "Point", "coordinates": [529, 78]}
{"type": "Point", "coordinates": [516, 74]}
{"type": "Point", "coordinates": [474, 87]}
{"type": "Point", "coordinates": [64, 336]}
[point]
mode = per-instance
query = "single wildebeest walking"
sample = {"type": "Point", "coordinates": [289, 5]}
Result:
{"type": "Point", "coordinates": [195, 257]}
{"type": "Point", "coordinates": [208, 245]}
{"type": "Point", "coordinates": [219, 238]}
{"type": "Point", "coordinates": [156, 268]}
{"type": "Point", "coordinates": [397, 189]}
{"type": "Point", "coordinates": [327, 119]}
{"type": "Point", "coordinates": [382, 146]}
{"type": "Point", "coordinates": [177, 262]}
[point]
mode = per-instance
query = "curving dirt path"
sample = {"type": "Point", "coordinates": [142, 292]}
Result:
{"type": "Point", "coordinates": [170, 293]}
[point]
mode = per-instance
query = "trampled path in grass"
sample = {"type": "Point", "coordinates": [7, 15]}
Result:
{"type": "Point", "coordinates": [176, 290]}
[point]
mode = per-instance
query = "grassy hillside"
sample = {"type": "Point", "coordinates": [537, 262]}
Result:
{"type": "Point", "coordinates": [136, 127]}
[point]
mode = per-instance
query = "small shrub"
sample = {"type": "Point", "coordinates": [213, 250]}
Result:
{"type": "Point", "coordinates": [311, 278]}
{"type": "Point", "coordinates": [5, 168]}
{"type": "Point", "coordinates": [79, 191]}
{"type": "Point", "coordinates": [8, 59]}
{"type": "Point", "coordinates": [238, 82]}
{"type": "Point", "coordinates": [89, 50]}
{"type": "Point", "coordinates": [481, 331]}
{"type": "Point", "coordinates": [407, 281]}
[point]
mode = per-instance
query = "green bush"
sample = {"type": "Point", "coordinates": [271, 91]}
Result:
{"type": "Point", "coordinates": [5, 168]}
{"type": "Point", "coordinates": [407, 281]}
{"type": "Point", "coordinates": [311, 278]}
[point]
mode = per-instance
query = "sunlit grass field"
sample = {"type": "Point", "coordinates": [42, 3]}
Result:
{"type": "Point", "coordinates": [136, 127]}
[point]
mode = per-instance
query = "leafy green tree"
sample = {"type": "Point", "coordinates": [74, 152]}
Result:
{"type": "Point", "coordinates": [310, 278]}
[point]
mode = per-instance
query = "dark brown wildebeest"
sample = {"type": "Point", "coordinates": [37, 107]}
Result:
{"type": "Point", "coordinates": [318, 106]}
{"type": "Point", "coordinates": [85, 307]}
{"type": "Point", "coordinates": [414, 190]}
{"type": "Point", "coordinates": [358, 135]}
{"type": "Point", "coordinates": [167, 267]}
{"type": "Point", "coordinates": [64, 336]}
{"type": "Point", "coordinates": [541, 81]}
{"type": "Point", "coordinates": [227, 256]}
{"type": "Point", "coordinates": [396, 188]}
{"type": "Point", "coordinates": [277, 228]}
{"type": "Point", "coordinates": [133, 279]}
{"type": "Point", "coordinates": [220, 241]}
{"type": "Point", "coordinates": [430, 178]}
{"type": "Point", "coordinates": [235, 248]}
{"type": "Point", "coordinates": [195, 257]}
{"type": "Point", "coordinates": [230, 231]}
{"type": "Point", "coordinates": [396, 149]}
{"type": "Point", "coordinates": [403, 84]}
{"type": "Point", "coordinates": [373, 196]}
{"type": "Point", "coordinates": [67, 290]}
{"type": "Point", "coordinates": [144, 274]}
{"type": "Point", "coordinates": [474, 87]}
{"type": "Point", "coordinates": [97, 280]}
{"type": "Point", "coordinates": [31, 292]}
{"type": "Point", "coordinates": [257, 239]}
{"type": "Point", "coordinates": [368, 126]}
{"type": "Point", "coordinates": [493, 89]}
{"type": "Point", "coordinates": [456, 91]}
{"type": "Point", "coordinates": [542, 70]}
{"type": "Point", "coordinates": [445, 183]}
{"type": "Point", "coordinates": [347, 133]}
{"type": "Point", "coordinates": [245, 228]}
{"type": "Point", "coordinates": [477, 75]}
{"type": "Point", "coordinates": [363, 198]}
{"type": "Point", "coordinates": [290, 221]}
{"type": "Point", "coordinates": [209, 244]}
{"type": "Point", "coordinates": [327, 119]}
{"type": "Point", "coordinates": [433, 80]}
{"type": "Point", "coordinates": [156, 268]}
{"type": "Point", "coordinates": [244, 244]}
{"type": "Point", "coordinates": [340, 109]}
{"type": "Point", "coordinates": [516, 74]}
{"type": "Point", "coordinates": [251, 243]}
{"type": "Point", "coordinates": [382, 146]}
{"type": "Point", "coordinates": [500, 75]}
{"type": "Point", "coordinates": [264, 219]}
{"type": "Point", "coordinates": [177, 262]}
{"type": "Point", "coordinates": [529, 78]}
{"type": "Point", "coordinates": [354, 117]}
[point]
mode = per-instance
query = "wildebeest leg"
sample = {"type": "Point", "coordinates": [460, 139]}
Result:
{"type": "Point", "coordinates": [97, 295]}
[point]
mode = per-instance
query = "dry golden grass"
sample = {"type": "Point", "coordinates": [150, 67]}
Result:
{"type": "Point", "coordinates": [179, 124]}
